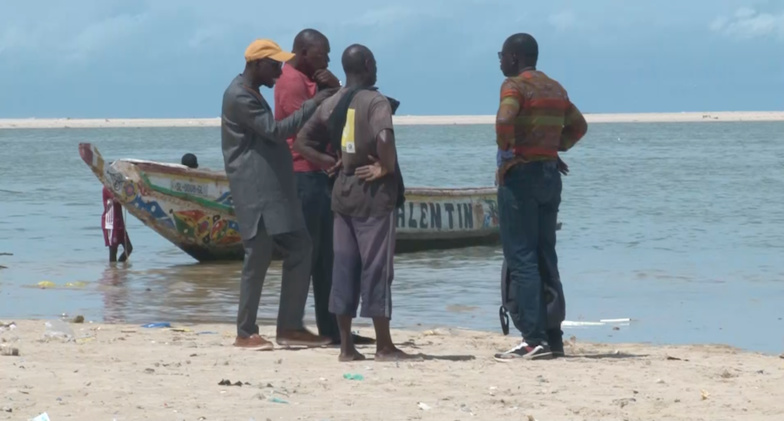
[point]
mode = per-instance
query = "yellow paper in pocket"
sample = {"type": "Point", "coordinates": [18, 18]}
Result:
{"type": "Point", "coordinates": [347, 141]}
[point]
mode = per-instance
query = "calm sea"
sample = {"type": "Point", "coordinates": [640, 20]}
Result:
{"type": "Point", "coordinates": [679, 227]}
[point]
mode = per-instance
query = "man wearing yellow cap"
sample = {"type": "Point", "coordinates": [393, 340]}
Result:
{"type": "Point", "coordinates": [261, 177]}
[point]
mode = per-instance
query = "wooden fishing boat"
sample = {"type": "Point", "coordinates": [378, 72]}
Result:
{"type": "Point", "coordinates": [193, 208]}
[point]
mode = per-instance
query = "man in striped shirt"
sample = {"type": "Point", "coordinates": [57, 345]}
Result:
{"type": "Point", "coordinates": [535, 121]}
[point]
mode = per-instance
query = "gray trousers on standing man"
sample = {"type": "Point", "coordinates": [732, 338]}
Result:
{"type": "Point", "coordinates": [296, 248]}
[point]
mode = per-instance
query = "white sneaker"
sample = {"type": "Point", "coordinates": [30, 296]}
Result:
{"type": "Point", "coordinates": [526, 352]}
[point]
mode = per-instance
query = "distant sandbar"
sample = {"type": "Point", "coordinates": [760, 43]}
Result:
{"type": "Point", "coordinates": [722, 116]}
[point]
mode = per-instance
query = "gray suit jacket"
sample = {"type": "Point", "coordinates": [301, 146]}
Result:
{"type": "Point", "coordinates": [258, 161]}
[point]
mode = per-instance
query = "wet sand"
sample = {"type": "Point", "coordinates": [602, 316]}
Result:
{"type": "Point", "coordinates": [403, 120]}
{"type": "Point", "coordinates": [126, 372]}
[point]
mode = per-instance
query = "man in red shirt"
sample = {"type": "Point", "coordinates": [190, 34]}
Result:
{"type": "Point", "coordinates": [302, 77]}
{"type": "Point", "coordinates": [113, 225]}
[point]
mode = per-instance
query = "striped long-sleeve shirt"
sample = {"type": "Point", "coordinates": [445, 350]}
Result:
{"type": "Point", "coordinates": [535, 120]}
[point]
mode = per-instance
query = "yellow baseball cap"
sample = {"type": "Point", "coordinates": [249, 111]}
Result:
{"type": "Point", "coordinates": [266, 48]}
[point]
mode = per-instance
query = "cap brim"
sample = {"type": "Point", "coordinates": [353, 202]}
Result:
{"type": "Point", "coordinates": [282, 57]}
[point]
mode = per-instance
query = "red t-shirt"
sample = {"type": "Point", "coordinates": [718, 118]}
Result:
{"type": "Point", "coordinates": [291, 91]}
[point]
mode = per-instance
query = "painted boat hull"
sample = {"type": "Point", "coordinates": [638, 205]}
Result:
{"type": "Point", "coordinates": [193, 209]}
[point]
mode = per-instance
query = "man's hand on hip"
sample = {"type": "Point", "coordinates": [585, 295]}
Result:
{"type": "Point", "coordinates": [371, 172]}
{"type": "Point", "coordinates": [562, 167]}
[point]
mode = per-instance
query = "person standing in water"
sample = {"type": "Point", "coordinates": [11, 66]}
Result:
{"type": "Point", "coordinates": [301, 79]}
{"type": "Point", "coordinates": [358, 121]}
{"type": "Point", "coordinates": [113, 225]}
{"type": "Point", "coordinates": [259, 167]}
{"type": "Point", "coordinates": [535, 121]}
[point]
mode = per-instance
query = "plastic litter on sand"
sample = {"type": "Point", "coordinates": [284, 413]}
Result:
{"type": "Point", "coordinates": [58, 329]}
{"type": "Point", "coordinates": [42, 417]}
{"type": "Point", "coordinates": [157, 325]}
{"type": "Point", "coordinates": [8, 351]}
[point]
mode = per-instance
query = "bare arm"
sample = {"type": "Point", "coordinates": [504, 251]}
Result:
{"type": "Point", "coordinates": [387, 152]}
{"type": "Point", "coordinates": [305, 143]}
{"type": "Point", "coordinates": [386, 159]}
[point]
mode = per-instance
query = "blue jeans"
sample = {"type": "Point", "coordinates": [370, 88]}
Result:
{"type": "Point", "coordinates": [528, 201]}
{"type": "Point", "coordinates": [316, 197]}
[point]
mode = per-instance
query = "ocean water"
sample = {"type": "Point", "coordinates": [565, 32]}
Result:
{"type": "Point", "coordinates": [679, 227]}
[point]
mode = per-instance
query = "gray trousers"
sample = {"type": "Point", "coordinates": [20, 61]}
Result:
{"type": "Point", "coordinates": [364, 265]}
{"type": "Point", "coordinates": [296, 248]}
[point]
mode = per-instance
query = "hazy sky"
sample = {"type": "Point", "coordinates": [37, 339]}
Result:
{"type": "Point", "coordinates": [174, 58]}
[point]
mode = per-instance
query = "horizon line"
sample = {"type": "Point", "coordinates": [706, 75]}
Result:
{"type": "Point", "coordinates": [402, 120]}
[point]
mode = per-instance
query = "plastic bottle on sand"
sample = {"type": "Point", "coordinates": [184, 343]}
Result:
{"type": "Point", "coordinates": [58, 329]}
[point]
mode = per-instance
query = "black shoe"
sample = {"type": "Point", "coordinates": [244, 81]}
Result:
{"type": "Point", "coordinates": [555, 340]}
{"type": "Point", "coordinates": [557, 352]}
{"type": "Point", "coordinates": [525, 352]}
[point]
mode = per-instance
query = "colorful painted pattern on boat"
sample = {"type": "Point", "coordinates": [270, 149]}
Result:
{"type": "Point", "coordinates": [193, 208]}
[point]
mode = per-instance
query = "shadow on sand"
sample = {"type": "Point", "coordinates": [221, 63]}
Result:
{"type": "Point", "coordinates": [448, 357]}
{"type": "Point", "coordinates": [418, 358]}
{"type": "Point", "coordinates": [599, 356]}
{"type": "Point", "coordinates": [426, 357]}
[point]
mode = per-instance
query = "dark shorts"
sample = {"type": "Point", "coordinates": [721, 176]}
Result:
{"type": "Point", "coordinates": [364, 255]}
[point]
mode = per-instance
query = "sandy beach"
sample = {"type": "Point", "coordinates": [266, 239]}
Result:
{"type": "Point", "coordinates": [59, 123]}
{"type": "Point", "coordinates": [127, 372]}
